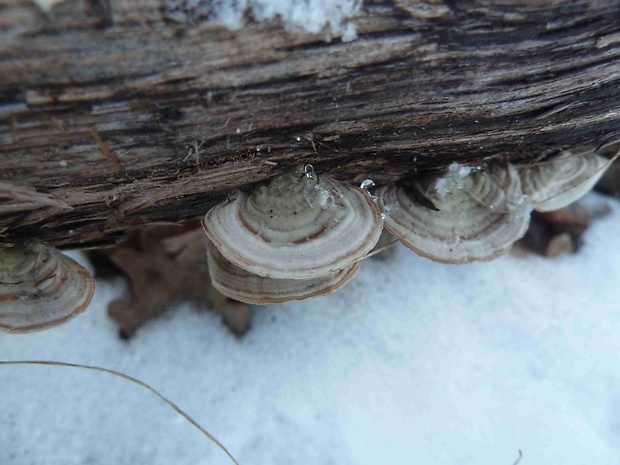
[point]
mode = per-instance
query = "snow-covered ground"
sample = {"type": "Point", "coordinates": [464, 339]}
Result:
{"type": "Point", "coordinates": [413, 362]}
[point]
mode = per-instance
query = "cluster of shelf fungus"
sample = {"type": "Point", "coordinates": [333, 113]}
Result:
{"type": "Point", "coordinates": [304, 235]}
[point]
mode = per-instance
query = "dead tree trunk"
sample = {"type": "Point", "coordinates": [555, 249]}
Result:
{"type": "Point", "coordinates": [118, 116]}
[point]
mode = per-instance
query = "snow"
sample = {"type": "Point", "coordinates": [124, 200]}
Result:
{"type": "Point", "coordinates": [328, 17]}
{"type": "Point", "coordinates": [46, 5]}
{"type": "Point", "coordinates": [413, 362]}
{"type": "Point", "coordinates": [453, 179]}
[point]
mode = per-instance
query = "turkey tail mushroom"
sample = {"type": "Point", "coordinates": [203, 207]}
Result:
{"type": "Point", "coordinates": [559, 181]}
{"type": "Point", "coordinates": [296, 227]}
{"type": "Point", "coordinates": [40, 287]}
{"type": "Point", "coordinates": [238, 284]}
{"type": "Point", "coordinates": [466, 215]}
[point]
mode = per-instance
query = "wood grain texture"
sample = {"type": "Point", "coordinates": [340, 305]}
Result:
{"type": "Point", "coordinates": [130, 118]}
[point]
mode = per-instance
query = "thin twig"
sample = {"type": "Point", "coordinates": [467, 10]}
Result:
{"type": "Point", "coordinates": [133, 380]}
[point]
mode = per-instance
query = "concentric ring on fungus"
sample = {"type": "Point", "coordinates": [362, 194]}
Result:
{"type": "Point", "coordinates": [247, 287]}
{"type": "Point", "coordinates": [40, 287]}
{"type": "Point", "coordinates": [559, 181]}
{"type": "Point", "coordinates": [468, 215]}
{"type": "Point", "coordinates": [296, 227]}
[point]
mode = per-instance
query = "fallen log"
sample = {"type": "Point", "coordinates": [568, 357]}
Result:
{"type": "Point", "coordinates": [120, 113]}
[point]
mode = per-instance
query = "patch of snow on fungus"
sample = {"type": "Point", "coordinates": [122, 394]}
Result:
{"type": "Point", "coordinates": [452, 180]}
{"type": "Point", "coordinates": [331, 18]}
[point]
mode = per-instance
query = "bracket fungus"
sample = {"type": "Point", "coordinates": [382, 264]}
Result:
{"type": "Point", "coordinates": [556, 183]}
{"type": "Point", "coordinates": [466, 215]}
{"type": "Point", "coordinates": [40, 287]}
{"type": "Point", "coordinates": [241, 285]}
{"type": "Point", "coordinates": [296, 227]}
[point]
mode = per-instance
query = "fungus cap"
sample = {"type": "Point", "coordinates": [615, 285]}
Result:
{"type": "Point", "coordinates": [40, 287]}
{"type": "Point", "coordinates": [458, 218]}
{"type": "Point", "coordinates": [296, 227]}
{"type": "Point", "coordinates": [238, 284]}
{"type": "Point", "coordinates": [555, 183]}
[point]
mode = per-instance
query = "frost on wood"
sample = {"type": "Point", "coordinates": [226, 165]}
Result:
{"type": "Point", "coordinates": [328, 17]}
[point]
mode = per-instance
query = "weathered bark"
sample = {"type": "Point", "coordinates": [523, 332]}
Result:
{"type": "Point", "coordinates": [123, 118]}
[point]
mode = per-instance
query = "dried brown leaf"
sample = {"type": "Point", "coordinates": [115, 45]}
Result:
{"type": "Point", "coordinates": [166, 264]}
